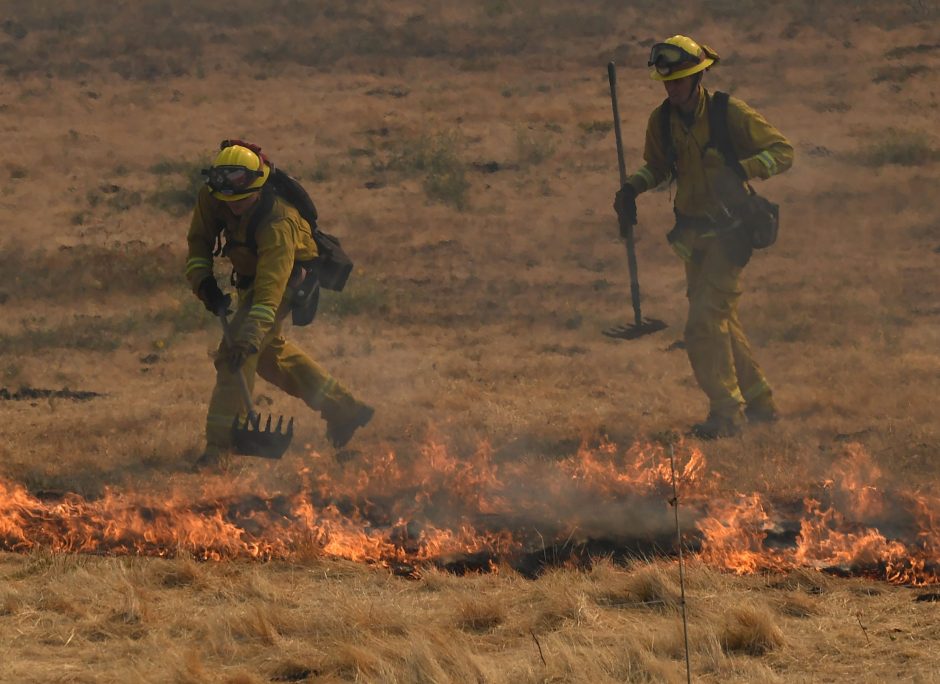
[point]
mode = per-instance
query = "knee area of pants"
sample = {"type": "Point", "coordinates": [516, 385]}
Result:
{"type": "Point", "coordinates": [705, 328]}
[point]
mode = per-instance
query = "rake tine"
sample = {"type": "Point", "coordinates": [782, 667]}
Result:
{"type": "Point", "coordinates": [290, 427]}
{"type": "Point", "coordinates": [267, 426]}
{"type": "Point", "coordinates": [632, 331]}
{"type": "Point", "coordinates": [280, 420]}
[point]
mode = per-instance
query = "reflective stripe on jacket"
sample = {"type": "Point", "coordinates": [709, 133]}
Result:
{"type": "Point", "coordinates": [763, 151]}
{"type": "Point", "coordinates": [282, 238]}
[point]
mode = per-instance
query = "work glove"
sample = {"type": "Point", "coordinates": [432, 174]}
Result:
{"type": "Point", "coordinates": [625, 206]}
{"type": "Point", "coordinates": [212, 296]}
{"type": "Point", "coordinates": [247, 341]}
{"type": "Point", "coordinates": [237, 354]}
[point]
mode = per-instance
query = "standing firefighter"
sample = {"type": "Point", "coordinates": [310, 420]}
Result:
{"type": "Point", "coordinates": [240, 215]}
{"type": "Point", "coordinates": [712, 145]}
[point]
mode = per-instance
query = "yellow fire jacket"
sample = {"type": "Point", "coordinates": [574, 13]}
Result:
{"type": "Point", "coordinates": [763, 152]}
{"type": "Point", "coordinates": [282, 237]}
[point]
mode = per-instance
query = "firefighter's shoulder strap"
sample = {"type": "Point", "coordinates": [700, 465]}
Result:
{"type": "Point", "coordinates": [332, 264]}
{"type": "Point", "coordinates": [718, 130]}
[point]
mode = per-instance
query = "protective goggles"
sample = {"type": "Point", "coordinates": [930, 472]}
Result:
{"type": "Point", "coordinates": [232, 180]}
{"type": "Point", "coordinates": [666, 58]}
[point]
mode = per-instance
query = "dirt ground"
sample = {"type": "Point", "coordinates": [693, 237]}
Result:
{"type": "Point", "coordinates": [464, 154]}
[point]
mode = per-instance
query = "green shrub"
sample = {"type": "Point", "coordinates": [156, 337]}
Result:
{"type": "Point", "coordinates": [905, 148]}
{"type": "Point", "coordinates": [107, 333]}
{"type": "Point", "coordinates": [70, 273]}
{"type": "Point", "coordinates": [178, 186]}
{"type": "Point", "coordinates": [601, 127]}
{"type": "Point", "coordinates": [436, 156]}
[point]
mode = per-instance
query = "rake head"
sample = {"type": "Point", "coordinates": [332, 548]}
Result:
{"type": "Point", "coordinates": [631, 331]}
{"type": "Point", "coordinates": [249, 439]}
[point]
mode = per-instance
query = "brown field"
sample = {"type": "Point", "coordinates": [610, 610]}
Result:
{"type": "Point", "coordinates": [464, 154]}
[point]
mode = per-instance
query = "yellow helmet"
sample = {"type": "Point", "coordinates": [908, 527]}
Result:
{"type": "Point", "coordinates": [678, 57]}
{"type": "Point", "coordinates": [236, 173]}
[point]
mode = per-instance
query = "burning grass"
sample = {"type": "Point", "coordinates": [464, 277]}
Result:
{"type": "Point", "coordinates": [479, 515]}
{"type": "Point", "coordinates": [484, 320]}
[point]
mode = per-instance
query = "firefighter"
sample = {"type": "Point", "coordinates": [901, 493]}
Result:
{"type": "Point", "coordinates": [263, 262]}
{"type": "Point", "coordinates": [714, 246]}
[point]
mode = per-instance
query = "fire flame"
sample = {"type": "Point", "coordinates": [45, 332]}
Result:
{"type": "Point", "coordinates": [480, 513]}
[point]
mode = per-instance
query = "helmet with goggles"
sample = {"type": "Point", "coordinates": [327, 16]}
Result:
{"type": "Point", "coordinates": [678, 57]}
{"type": "Point", "coordinates": [236, 173]}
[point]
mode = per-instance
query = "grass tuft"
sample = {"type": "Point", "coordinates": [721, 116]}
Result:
{"type": "Point", "coordinates": [533, 147]}
{"type": "Point", "coordinates": [480, 614]}
{"type": "Point", "coordinates": [750, 629]}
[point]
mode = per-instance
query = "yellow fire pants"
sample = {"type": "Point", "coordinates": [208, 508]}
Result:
{"type": "Point", "coordinates": [718, 349]}
{"type": "Point", "coordinates": [284, 365]}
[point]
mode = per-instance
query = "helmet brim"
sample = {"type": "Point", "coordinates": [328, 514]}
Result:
{"type": "Point", "coordinates": [682, 73]}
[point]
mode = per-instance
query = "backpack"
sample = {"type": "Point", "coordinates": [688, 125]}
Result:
{"type": "Point", "coordinates": [759, 216]}
{"type": "Point", "coordinates": [331, 268]}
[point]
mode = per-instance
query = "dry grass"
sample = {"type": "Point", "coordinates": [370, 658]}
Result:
{"type": "Point", "coordinates": [332, 622]}
{"type": "Point", "coordinates": [461, 152]}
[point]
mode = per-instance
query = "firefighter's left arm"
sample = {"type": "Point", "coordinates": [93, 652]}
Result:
{"type": "Point", "coordinates": [763, 150]}
{"type": "Point", "coordinates": [277, 245]}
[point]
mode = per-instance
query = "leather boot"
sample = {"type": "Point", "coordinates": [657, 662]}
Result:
{"type": "Point", "coordinates": [342, 422]}
{"type": "Point", "coordinates": [718, 426]}
{"type": "Point", "coordinates": [213, 459]}
{"type": "Point", "coordinates": [762, 409]}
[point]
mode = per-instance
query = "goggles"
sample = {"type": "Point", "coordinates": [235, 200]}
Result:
{"type": "Point", "coordinates": [232, 180]}
{"type": "Point", "coordinates": [667, 58]}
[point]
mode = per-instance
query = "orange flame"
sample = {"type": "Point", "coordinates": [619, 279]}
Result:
{"type": "Point", "coordinates": [441, 509]}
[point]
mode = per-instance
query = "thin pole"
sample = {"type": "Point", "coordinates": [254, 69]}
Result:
{"type": "Point", "coordinates": [685, 623]}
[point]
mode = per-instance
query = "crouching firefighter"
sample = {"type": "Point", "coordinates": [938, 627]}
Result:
{"type": "Point", "coordinates": [264, 223]}
{"type": "Point", "coordinates": [712, 145]}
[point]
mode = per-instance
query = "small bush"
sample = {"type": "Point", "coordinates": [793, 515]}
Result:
{"type": "Point", "coordinates": [320, 172]}
{"type": "Point", "coordinates": [899, 73]}
{"type": "Point", "coordinates": [105, 334]}
{"type": "Point", "coordinates": [533, 148]}
{"type": "Point", "coordinates": [601, 127]}
{"type": "Point", "coordinates": [360, 297]}
{"type": "Point", "coordinates": [74, 272]}
{"type": "Point", "coordinates": [179, 185]}
{"type": "Point", "coordinates": [905, 148]}
{"type": "Point", "coordinates": [437, 158]}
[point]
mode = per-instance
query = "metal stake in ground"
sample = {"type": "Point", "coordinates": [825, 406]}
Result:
{"type": "Point", "coordinates": [640, 326]}
{"type": "Point", "coordinates": [685, 624]}
{"type": "Point", "coordinates": [248, 438]}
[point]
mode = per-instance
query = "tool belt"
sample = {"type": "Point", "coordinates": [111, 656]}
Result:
{"type": "Point", "coordinates": [730, 234]}
{"type": "Point", "coordinates": [700, 225]}
{"type": "Point", "coordinates": [304, 284]}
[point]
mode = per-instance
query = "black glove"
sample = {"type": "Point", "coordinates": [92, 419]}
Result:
{"type": "Point", "coordinates": [625, 206]}
{"type": "Point", "coordinates": [213, 297]}
{"type": "Point", "coordinates": [235, 356]}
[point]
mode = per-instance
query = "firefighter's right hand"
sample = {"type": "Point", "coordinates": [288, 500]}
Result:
{"type": "Point", "coordinates": [236, 356]}
{"type": "Point", "coordinates": [212, 296]}
{"type": "Point", "coordinates": [625, 206]}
